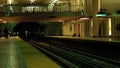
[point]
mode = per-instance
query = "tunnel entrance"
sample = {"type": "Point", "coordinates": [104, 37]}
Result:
{"type": "Point", "coordinates": [29, 30]}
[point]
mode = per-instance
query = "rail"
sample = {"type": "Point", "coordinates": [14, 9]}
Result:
{"type": "Point", "coordinates": [77, 58]}
{"type": "Point", "coordinates": [62, 61]}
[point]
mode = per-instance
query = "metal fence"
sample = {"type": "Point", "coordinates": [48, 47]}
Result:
{"type": "Point", "coordinates": [27, 8]}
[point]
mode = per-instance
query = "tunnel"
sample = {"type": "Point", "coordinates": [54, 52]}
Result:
{"type": "Point", "coordinates": [30, 30]}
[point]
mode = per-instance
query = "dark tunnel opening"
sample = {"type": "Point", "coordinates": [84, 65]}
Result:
{"type": "Point", "coordinates": [30, 30]}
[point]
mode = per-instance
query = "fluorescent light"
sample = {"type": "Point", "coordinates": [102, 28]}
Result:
{"type": "Point", "coordinates": [102, 15]}
{"type": "Point", "coordinates": [31, 1]}
{"type": "Point", "coordinates": [84, 18]}
{"type": "Point", "coordinates": [10, 1]}
{"type": "Point", "coordinates": [53, 1]}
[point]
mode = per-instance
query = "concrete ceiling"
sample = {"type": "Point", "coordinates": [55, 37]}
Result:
{"type": "Point", "coordinates": [3, 2]}
{"type": "Point", "coordinates": [27, 1]}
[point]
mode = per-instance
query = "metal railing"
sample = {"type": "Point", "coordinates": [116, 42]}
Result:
{"type": "Point", "coordinates": [40, 10]}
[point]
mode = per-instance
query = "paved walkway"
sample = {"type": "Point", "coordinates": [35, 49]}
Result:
{"type": "Point", "coordinates": [15, 53]}
{"type": "Point", "coordinates": [9, 54]}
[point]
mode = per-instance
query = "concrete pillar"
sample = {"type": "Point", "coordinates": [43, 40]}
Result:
{"type": "Point", "coordinates": [76, 28]}
{"type": "Point", "coordinates": [83, 29]}
{"type": "Point", "coordinates": [91, 28]}
{"type": "Point", "coordinates": [95, 8]}
{"type": "Point", "coordinates": [80, 24]}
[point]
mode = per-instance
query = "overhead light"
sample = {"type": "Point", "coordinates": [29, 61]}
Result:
{"type": "Point", "coordinates": [101, 13]}
{"type": "Point", "coordinates": [5, 22]}
{"type": "Point", "coordinates": [0, 19]}
{"type": "Point", "coordinates": [60, 20]}
{"type": "Point", "coordinates": [10, 2]}
{"type": "Point", "coordinates": [53, 1]}
{"type": "Point", "coordinates": [32, 1]}
{"type": "Point", "coordinates": [84, 18]}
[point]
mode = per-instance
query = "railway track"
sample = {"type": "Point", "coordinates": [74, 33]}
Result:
{"type": "Point", "coordinates": [75, 59]}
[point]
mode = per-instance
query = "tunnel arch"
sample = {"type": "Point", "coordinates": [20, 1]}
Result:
{"type": "Point", "coordinates": [30, 30]}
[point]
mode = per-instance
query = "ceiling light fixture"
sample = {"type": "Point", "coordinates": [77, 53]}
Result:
{"type": "Point", "coordinates": [0, 19]}
{"type": "Point", "coordinates": [32, 1]}
{"type": "Point", "coordinates": [9, 2]}
{"type": "Point", "coordinates": [53, 1]}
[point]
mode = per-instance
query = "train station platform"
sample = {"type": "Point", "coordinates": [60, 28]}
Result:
{"type": "Point", "coordinates": [103, 47]}
{"type": "Point", "coordinates": [16, 53]}
{"type": "Point", "coordinates": [88, 38]}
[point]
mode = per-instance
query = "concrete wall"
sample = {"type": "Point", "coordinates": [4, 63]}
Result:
{"type": "Point", "coordinates": [77, 5]}
{"type": "Point", "coordinates": [68, 28]}
{"type": "Point", "coordinates": [88, 7]}
{"type": "Point", "coordinates": [111, 5]}
{"type": "Point", "coordinates": [116, 20]}
{"type": "Point", "coordinates": [53, 29]}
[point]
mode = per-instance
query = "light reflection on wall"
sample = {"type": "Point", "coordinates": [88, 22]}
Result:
{"type": "Point", "coordinates": [109, 26]}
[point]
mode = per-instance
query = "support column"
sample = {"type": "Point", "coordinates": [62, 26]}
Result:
{"type": "Point", "coordinates": [91, 28]}
{"type": "Point", "coordinates": [76, 29]}
{"type": "Point", "coordinates": [80, 29]}
{"type": "Point", "coordinates": [95, 8]}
